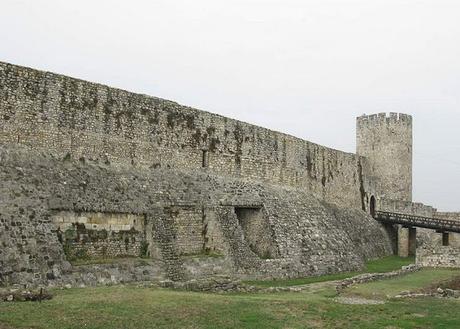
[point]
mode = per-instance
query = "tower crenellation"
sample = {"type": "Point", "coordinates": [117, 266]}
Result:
{"type": "Point", "coordinates": [385, 118]}
{"type": "Point", "coordinates": [385, 140]}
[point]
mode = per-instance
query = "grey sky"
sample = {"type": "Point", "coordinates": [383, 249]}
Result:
{"type": "Point", "coordinates": [307, 68]}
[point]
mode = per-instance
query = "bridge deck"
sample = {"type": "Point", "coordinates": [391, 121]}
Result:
{"type": "Point", "coordinates": [442, 225]}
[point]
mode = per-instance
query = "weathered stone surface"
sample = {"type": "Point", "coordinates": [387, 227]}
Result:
{"type": "Point", "coordinates": [92, 171]}
{"type": "Point", "coordinates": [71, 118]}
{"type": "Point", "coordinates": [435, 255]}
{"type": "Point", "coordinates": [386, 142]}
{"type": "Point", "coordinates": [311, 236]}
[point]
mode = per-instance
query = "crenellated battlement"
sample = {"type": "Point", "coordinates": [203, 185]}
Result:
{"type": "Point", "coordinates": [385, 139]}
{"type": "Point", "coordinates": [385, 118]}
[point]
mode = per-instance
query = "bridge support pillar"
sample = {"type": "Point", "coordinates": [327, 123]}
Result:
{"type": "Point", "coordinates": [407, 241]}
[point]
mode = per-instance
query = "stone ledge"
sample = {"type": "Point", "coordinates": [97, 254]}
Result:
{"type": "Point", "coordinates": [24, 295]}
{"type": "Point", "coordinates": [370, 277]}
{"type": "Point", "coordinates": [440, 293]}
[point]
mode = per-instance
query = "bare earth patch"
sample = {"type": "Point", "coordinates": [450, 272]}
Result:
{"type": "Point", "coordinates": [453, 284]}
{"type": "Point", "coordinates": [358, 301]}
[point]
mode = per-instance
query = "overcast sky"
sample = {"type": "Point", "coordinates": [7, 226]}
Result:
{"type": "Point", "coordinates": [303, 67]}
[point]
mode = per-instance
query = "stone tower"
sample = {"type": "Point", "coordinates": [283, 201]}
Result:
{"type": "Point", "coordinates": [386, 142]}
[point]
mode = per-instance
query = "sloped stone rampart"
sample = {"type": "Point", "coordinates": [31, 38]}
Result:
{"type": "Point", "coordinates": [311, 237]}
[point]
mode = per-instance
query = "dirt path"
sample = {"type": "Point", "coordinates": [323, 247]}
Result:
{"type": "Point", "coordinates": [318, 286]}
{"type": "Point", "coordinates": [358, 301]}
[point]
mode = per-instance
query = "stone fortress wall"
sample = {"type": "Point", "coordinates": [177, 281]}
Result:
{"type": "Point", "coordinates": [79, 119]}
{"type": "Point", "coordinates": [204, 184]}
{"type": "Point", "coordinates": [101, 172]}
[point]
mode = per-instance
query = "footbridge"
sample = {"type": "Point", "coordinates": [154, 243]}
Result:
{"type": "Point", "coordinates": [407, 231]}
{"type": "Point", "coordinates": [440, 225]}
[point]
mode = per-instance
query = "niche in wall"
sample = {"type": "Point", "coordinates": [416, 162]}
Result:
{"type": "Point", "coordinates": [445, 238]}
{"type": "Point", "coordinates": [204, 159]}
{"type": "Point", "coordinates": [372, 207]}
{"type": "Point", "coordinates": [257, 232]}
{"type": "Point", "coordinates": [87, 235]}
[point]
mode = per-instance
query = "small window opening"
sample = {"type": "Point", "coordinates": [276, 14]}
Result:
{"type": "Point", "coordinates": [445, 239]}
{"type": "Point", "coordinates": [204, 160]}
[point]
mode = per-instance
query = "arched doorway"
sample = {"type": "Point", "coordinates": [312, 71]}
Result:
{"type": "Point", "coordinates": [372, 207]}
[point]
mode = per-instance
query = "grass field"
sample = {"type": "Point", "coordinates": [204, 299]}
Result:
{"type": "Point", "coordinates": [389, 288]}
{"type": "Point", "coordinates": [140, 307]}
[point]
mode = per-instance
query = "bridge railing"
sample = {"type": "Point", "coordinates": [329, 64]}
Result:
{"type": "Point", "coordinates": [443, 225]}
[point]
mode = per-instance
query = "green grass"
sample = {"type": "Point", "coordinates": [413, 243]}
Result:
{"type": "Point", "coordinates": [386, 264]}
{"type": "Point", "coordinates": [389, 288]}
{"type": "Point", "coordinates": [133, 307]}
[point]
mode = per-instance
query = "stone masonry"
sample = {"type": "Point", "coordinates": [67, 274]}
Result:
{"type": "Point", "coordinates": [90, 171]}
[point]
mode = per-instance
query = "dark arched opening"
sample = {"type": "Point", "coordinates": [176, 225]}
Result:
{"type": "Point", "coordinates": [372, 209]}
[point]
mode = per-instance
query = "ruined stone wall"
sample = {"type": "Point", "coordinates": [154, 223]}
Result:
{"type": "Point", "coordinates": [80, 120]}
{"type": "Point", "coordinates": [100, 235]}
{"type": "Point", "coordinates": [438, 256]}
{"type": "Point", "coordinates": [386, 142]}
